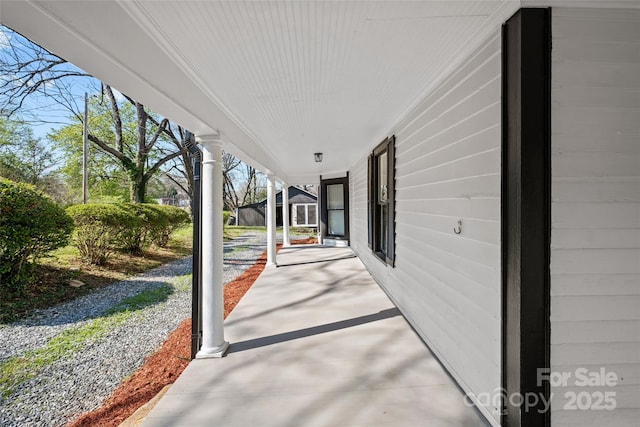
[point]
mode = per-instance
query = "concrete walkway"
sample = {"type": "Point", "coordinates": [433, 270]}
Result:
{"type": "Point", "coordinates": [316, 342]}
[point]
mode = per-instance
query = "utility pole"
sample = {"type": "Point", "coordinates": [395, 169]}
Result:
{"type": "Point", "coordinates": [85, 151]}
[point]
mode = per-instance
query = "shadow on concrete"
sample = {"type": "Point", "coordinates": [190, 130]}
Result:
{"type": "Point", "coordinates": [316, 261]}
{"type": "Point", "coordinates": [315, 330]}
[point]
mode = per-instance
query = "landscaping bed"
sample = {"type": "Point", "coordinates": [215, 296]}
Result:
{"type": "Point", "coordinates": [78, 352]}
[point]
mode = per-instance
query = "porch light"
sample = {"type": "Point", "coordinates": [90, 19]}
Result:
{"type": "Point", "coordinates": [317, 157]}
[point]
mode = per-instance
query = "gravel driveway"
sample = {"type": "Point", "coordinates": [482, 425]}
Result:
{"type": "Point", "coordinates": [80, 380]}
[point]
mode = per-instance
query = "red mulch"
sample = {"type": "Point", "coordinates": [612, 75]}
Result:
{"type": "Point", "coordinates": [165, 365]}
{"type": "Point", "coordinates": [307, 241]}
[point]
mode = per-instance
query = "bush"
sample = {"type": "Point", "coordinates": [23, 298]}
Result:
{"type": "Point", "coordinates": [154, 224]}
{"type": "Point", "coordinates": [101, 228]}
{"type": "Point", "coordinates": [31, 224]}
{"type": "Point", "coordinates": [170, 219]}
{"type": "Point", "coordinates": [225, 217]}
{"type": "Point", "coordinates": [144, 219]}
{"type": "Point", "coordinates": [98, 228]}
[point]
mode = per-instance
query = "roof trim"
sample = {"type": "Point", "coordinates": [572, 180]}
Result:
{"type": "Point", "coordinates": [276, 195]}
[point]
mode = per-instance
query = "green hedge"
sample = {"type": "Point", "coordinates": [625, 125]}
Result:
{"type": "Point", "coordinates": [144, 218]}
{"type": "Point", "coordinates": [101, 228]}
{"type": "Point", "coordinates": [98, 227]}
{"type": "Point", "coordinates": [172, 218]}
{"type": "Point", "coordinates": [31, 224]}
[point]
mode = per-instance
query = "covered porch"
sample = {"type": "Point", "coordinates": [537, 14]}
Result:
{"type": "Point", "coordinates": [316, 342]}
{"type": "Point", "coordinates": [280, 85]}
{"type": "Point", "coordinates": [462, 146]}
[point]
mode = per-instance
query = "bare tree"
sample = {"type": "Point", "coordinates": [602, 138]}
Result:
{"type": "Point", "coordinates": [180, 169]}
{"type": "Point", "coordinates": [29, 70]}
{"type": "Point", "coordinates": [250, 192]}
{"type": "Point", "coordinates": [136, 157]}
{"type": "Point", "coordinates": [229, 194]}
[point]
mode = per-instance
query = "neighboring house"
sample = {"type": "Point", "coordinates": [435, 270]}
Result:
{"type": "Point", "coordinates": [303, 210]}
{"type": "Point", "coordinates": [182, 202]}
{"type": "Point", "coordinates": [481, 158]}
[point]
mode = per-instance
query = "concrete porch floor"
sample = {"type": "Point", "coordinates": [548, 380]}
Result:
{"type": "Point", "coordinates": [316, 342]}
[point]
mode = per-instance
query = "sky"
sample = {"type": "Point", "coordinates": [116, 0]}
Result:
{"type": "Point", "coordinates": [42, 112]}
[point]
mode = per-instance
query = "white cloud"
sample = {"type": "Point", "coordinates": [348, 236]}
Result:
{"type": "Point", "coordinates": [5, 41]}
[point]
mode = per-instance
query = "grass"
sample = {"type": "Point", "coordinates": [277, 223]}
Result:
{"type": "Point", "coordinates": [16, 370]}
{"type": "Point", "coordinates": [233, 231]}
{"type": "Point", "coordinates": [182, 283]}
{"type": "Point", "coordinates": [142, 300]}
{"type": "Point", "coordinates": [50, 285]}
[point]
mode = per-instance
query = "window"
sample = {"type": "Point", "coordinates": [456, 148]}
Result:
{"type": "Point", "coordinates": [335, 209]}
{"type": "Point", "coordinates": [381, 195]}
{"type": "Point", "coordinates": [305, 215]}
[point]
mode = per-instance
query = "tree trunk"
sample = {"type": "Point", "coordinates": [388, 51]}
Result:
{"type": "Point", "coordinates": [138, 189]}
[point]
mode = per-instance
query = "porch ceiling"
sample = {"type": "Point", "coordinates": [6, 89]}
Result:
{"type": "Point", "coordinates": [279, 80]}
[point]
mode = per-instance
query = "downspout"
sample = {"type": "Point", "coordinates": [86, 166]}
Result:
{"type": "Point", "coordinates": [196, 284]}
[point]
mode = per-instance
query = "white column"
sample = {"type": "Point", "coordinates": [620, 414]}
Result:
{"type": "Point", "coordinates": [271, 221]}
{"type": "Point", "coordinates": [285, 215]}
{"type": "Point", "coordinates": [213, 343]}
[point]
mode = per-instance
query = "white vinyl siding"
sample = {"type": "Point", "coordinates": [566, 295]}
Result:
{"type": "Point", "coordinates": [448, 169]}
{"type": "Point", "coordinates": [595, 239]}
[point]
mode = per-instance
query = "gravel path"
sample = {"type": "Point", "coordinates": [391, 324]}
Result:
{"type": "Point", "coordinates": [80, 381]}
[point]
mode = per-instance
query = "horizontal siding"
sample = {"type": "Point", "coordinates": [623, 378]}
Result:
{"type": "Point", "coordinates": [595, 239]}
{"type": "Point", "coordinates": [602, 331]}
{"type": "Point", "coordinates": [598, 238]}
{"type": "Point", "coordinates": [594, 261]}
{"type": "Point", "coordinates": [597, 189]}
{"type": "Point", "coordinates": [623, 400]}
{"type": "Point", "coordinates": [577, 308]}
{"type": "Point", "coordinates": [594, 353]}
{"type": "Point", "coordinates": [609, 215]}
{"type": "Point", "coordinates": [595, 284]}
{"type": "Point", "coordinates": [601, 164]}
{"type": "Point", "coordinates": [596, 418]}
{"type": "Point", "coordinates": [448, 169]}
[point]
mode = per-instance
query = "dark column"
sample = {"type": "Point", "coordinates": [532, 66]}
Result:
{"type": "Point", "coordinates": [526, 215]}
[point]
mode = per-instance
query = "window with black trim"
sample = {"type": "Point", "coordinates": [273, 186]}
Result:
{"type": "Point", "coordinates": [381, 198]}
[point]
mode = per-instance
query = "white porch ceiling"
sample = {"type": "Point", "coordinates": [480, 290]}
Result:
{"type": "Point", "coordinates": [279, 80]}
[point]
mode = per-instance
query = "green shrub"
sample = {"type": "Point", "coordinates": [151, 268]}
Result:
{"type": "Point", "coordinates": [137, 234]}
{"type": "Point", "coordinates": [98, 228]}
{"type": "Point", "coordinates": [170, 219]}
{"type": "Point", "coordinates": [31, 224]}
{"type": "Point", "coordinates": [225, 217]}
{"type": "Point", "coordinates": [101, 228]}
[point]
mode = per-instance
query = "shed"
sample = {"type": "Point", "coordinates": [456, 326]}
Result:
{"type": "Point", "coordinates": [303, 210]}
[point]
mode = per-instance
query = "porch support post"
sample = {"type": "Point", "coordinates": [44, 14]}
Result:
{"type": "Point", "coordinates": [526, 216]}
{"type": "Point", "coordinates": [271, 221]}
{"type": "Point", "coordinates": [213, 343]}
{"type": "Point", "coordinates": [285, 215]}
